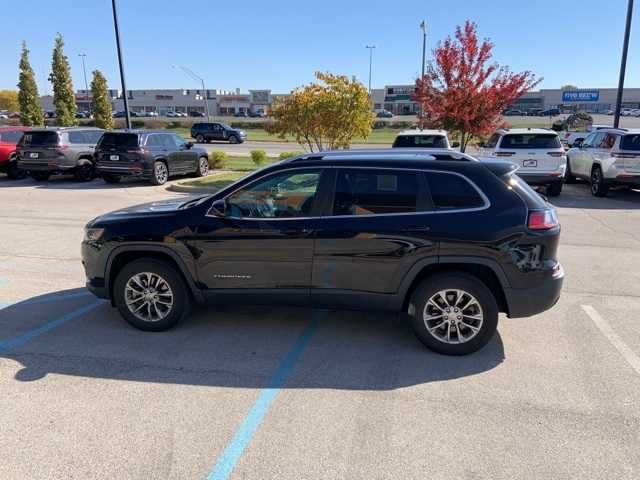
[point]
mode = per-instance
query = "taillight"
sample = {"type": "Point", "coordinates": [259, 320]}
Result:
{"type": "Point", "coordinates": [504, 154]}
{"type": "Point", "coordinates": [140, 151]}
{"type": "Point", "coordinates": [63, 146]}
{"type": "Point", "coordinates": [555, 154]}
{"type": "Point", "coordinates": [543, 219]}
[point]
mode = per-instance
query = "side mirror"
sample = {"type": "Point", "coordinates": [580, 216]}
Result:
{"type": "Point", "coordinates": [188, 145]}
{"type": "Point", "coordinates": [219, 208]}
{"type": "Point", "coordinates": [455, 144]}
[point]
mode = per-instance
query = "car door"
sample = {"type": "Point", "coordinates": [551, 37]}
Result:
{"type": "Point", "coordinates": [589, 152]}
{"type": "Point", "coordinates": [217, 132]}
{"type": "Point", "coordinates": [175, 163]}
{"type": "Point", "coordinates": [375, 228]}
{"type": "Point", "coordinates": [263, 242]}
{"type": "Point", "coordinates": [188, 158]}
{"type": "Point", "coordinates": [578, 155]}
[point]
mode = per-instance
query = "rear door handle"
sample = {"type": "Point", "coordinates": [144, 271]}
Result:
{"type": "Point", "coordinates": [416, 228]}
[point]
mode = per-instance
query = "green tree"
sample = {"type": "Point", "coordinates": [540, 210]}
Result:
{"type": "Point", "coordinates": [324, 115]}
{"type": "Point", "coordinates": [31, 113]}
{"type": "Point", "coordinates": [9, 100]}
{"type": "Point", "coordinates": [63, 97]}
{"type": "Point", "coordinates": [100, 103]}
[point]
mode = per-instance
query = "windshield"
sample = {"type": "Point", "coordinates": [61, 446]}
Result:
{"type": "Point", "coordinates": [531, 140]}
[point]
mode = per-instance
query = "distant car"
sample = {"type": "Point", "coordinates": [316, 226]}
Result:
{"type": "Point", "coordinates": [50, 114]}
{"type": "Point", "coordinates": [9, 138]}
{"type": "Point", "coordinates": [550, 112]}
{"type": "Point", "coordinates": [195, 113]}
{"type": "Point", "coordinates": [257, 114]}
{"type": "Point", "coordinates": [171, 114]}
{"type": "Point", "coordinates": [152, 114]}
{"type": "Point", "coordinates": [384, 114]}
{"type": "Point", "coordinates": [416, 138]}
{"type": "Point", "coordinates": [606, 158]}
{"type": "Point", "coordinates": [207, 131]}
{"type": "Point", "coordinates": [83, 114]}
{"type": "Point", "coordinates": [181, 114]}
{"type": "Point", "coordinates": [240, 114]}
{"type": "Point", "coordinates": [47, 151]}
{"type": "Point", "coordinates": [4, 116]}
{"type": "Point", "coordinates": [150, 155]}
{"type": "Point", "coordinates": [534, 112]}
{"type": "Point", "coordinates": [512, 113]}
{"type": "Point", "coordinates": [537, 152]}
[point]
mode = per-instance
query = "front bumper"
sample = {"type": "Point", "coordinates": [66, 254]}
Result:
{"type": "Point", "coordinates": [526, 302]}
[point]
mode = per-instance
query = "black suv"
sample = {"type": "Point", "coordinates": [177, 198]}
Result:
{"type": "Point", "coordinates": [147, 154]}
{"type": "Point", "coordinates": [206, 132]}
{"type": "Point", "coordinates": [450, 241]}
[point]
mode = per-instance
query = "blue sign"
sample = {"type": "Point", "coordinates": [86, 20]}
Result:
{"type": "Point", "coordinates": [581, 96]}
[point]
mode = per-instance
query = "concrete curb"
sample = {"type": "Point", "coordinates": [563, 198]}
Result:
{"type": "Point", "coordinates": [182, 188]}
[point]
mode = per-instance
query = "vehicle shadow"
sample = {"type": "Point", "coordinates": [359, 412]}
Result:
{"type": "Point", "coordinates": [68, 182]}
{"type": "Point", "coordinates": [235, 347]}
{"type": "Point", "coordinates": [579, 196]}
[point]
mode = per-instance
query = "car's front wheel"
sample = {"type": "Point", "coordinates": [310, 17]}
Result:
{"type": "Point", "coordinates": [151, 295]}
{"type": "Point", "coordinates": [199, 138]}
{"type": "Point", "coordinates": [85, 172]}
{"type": "Point", "coordinates": [160, 173]}
{"type": "Point", "coordinates": [233, 139]}
{"type": "Point", "coordinates": [598, 187]}
{"type": "Point", "coordinates": [203, 167]}
{"type": "Point", "coordinates": [453, 313]}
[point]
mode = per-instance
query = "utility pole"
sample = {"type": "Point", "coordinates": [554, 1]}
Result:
{"type": "Point", "coordinates": [423, 26]}
{"type": "Point", "coordinates": [623, 65]}
{"type": "Point", "coordinates": [84, 70]}
{"type": "Point", "coordinates": [190, 72]}
{"type": "Point", "coordinates": [122, 82]}
{"type": "Point", "coordinates": [370, 47]}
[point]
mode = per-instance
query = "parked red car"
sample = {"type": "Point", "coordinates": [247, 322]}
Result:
{"type": "Point", "coordinates": [9, 137]}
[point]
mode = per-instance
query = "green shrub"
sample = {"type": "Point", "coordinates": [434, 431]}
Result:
{"type": "Point", "coordinates": [259, 157]}
{"type": "Point", "coordinates": [218, 159]}
{"type": "Point", "coordinates": [175, 124]}
{"type": "Point", "coordinates": [137, 123]}
{"type": "Point", "coordinates": [154, 124]}
{"type": "Point", "coordinates": [284, 155]}
{"type": "Point", "coordinates": [248, 125]}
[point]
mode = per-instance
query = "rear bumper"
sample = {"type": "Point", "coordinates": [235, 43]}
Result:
{"type": "Point", "coordinates": [629, 180]}
{"type": "Point", "coordinates": [125, 171]}
{"type": "Point", "coordinates": [50, 166]}
{"type": "Point", "coordinates": [541, 178]}
{"type": "Point", "coordinates": [526, 302]}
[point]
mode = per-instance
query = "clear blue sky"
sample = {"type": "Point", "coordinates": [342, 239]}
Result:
{"type": "Point", "coordinates": [279, 44]}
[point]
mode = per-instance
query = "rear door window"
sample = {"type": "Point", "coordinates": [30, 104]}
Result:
{"type": "Point", "coordinates": [450, 191]}
{"type": "Point", "coordinates": [420, 141]}
{"type": "Point", "coordinates": [119, 140]}
{"type": "Point", "coordinates": [40, 139]}
{"type": "Point", "coordinates": [10, 137]}
{"type": "Point", "coordinates": [530, 140]}
{"type": "Point", "coordinates": [493, 141]}
{"type": "Point", "coordinates": [630, 142]}
{"type": "Point", "coordinates": [374, 192]}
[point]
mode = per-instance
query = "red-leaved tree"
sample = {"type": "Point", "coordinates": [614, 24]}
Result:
{"type": "Point", "coordinates": [464, 92]}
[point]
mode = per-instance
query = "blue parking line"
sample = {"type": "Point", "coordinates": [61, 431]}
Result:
{"type": "Point", "coordinates": [53, 298]}
{"type": "Point", "coordinates": [31, 334]}
{"type": "Point", "coordinates": [233, 451]}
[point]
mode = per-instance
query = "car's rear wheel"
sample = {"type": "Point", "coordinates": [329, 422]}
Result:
{"type": "Point", "coordinates": [200, 138]}
{"type": "Point", "coordinates": [568, 177]}
{"type": "Point", "coordinates": [203, 167]}
{"type": "Point", "coordinates": [13, 172]}
{"type": "Point", "coordinates": [598, 187]}
{"type": "Point", "coordinates": [160, 173]}
{"type": "Point", "coordinates": [453, 313]}
{"type": "Point", "coordinates": [233, 139]}
{"type": "Point", "coordinates": [85, 172]}
{"type": "Point", "coordinates": [554, 189]}
{"type": "Point", "coordinates": [111, 178]}
{"type": "Point", "coordinates": [151, 295]}
{"type": "Point", "coordinates": [40, 176]}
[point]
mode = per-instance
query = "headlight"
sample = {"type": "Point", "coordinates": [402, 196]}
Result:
{"type": "Point", "coordinates": [93, 234]}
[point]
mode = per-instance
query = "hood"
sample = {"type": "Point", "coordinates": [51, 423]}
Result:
{"type": "Point", "coordinates": [145, 209]}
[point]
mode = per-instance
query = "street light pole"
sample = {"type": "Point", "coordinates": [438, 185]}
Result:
{"type": "Point", "coordinates": [84, 70]}
{"type": "Point", "coordinates": [423, 26]}
{"type": "Point", "coordinates": [122, 82]}
{"type": "Point", "coordinates": [370, 47]}
{"type": "Point", "coordinates": [192, 74]}
{"type": "Point", "coordinates": [623, 64]}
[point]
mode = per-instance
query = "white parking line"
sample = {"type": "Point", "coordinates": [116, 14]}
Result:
{"type": "Point", "coordinates": [604, 326]}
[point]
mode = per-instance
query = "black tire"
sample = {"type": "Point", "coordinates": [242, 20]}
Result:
{"type": "Point", "coordinates": [598, 187]}
{"type": "Point", "coordinates": [40, 176]}
{"type": "Point", "coordinates": [202, 169]}
{"type": "Point", "coordinates": [472, 286]}
{"type": "Point", "coordinates": [181, 300]}
{"type": "Point", "coordinates": [554, 189]}
{"type": "Point", "coordinates": [111, 178]}
{"type": "Point", "coordinates": [199, 138]}
{"type": "Point", "coordinates": [85, 172]}
{"type": "Point", "coordinates": [568, 176]}
{"type": "Point", "coordinates": [234, 139]}
{"type": "Point", "coordinates": [160, 173]}
{"type": "Point", "coordinates": [13, 172]}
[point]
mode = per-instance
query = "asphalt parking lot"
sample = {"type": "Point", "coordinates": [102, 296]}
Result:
{"type": "Point", "coordinates": [266, 393]}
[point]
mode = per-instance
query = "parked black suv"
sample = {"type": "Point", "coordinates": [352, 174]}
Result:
{"type": "Point", "coordinates": [452, 242]}
{"type": "Point", "coordinates": [206, 132]}
{"type": "Point", "coordinates": [147, 154]}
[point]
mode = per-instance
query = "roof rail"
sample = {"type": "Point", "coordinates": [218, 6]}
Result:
{"type": "Point", "coordinates": [385, 153]}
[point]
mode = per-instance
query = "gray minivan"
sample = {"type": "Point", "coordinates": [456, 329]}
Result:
{"type": "Point", "coordinates": [46, 151]}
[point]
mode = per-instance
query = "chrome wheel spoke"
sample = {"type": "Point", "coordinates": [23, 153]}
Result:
{"type": "Point", "coordinates": [453, 316]}
{"type": "Point", "coordinates": [148, 296]}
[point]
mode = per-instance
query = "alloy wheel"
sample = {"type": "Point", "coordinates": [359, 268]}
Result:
{"type": "Point", "coordinates": [204, 166]}
{"type": "Point", "coordinates": [148, 296]}
{"type": "Point", "coordinates": [161, 172]}
{"type": "Point", "coordinates": [453, 316]}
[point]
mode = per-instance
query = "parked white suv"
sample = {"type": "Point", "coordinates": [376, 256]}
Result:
{"type": "Point", "coordinates": [417, 138]}
{"type": "Point", "coordinates": [606, 158]}
{"type": "Point", "coordinates": [537, 152]}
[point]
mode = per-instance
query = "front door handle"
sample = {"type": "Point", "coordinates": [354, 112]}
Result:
{"type": "Point", "coordinates": [416, 228]}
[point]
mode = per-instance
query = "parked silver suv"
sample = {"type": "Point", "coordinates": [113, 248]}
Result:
{"type": "Point", "coordinates": [46, 151]}
{"type": "Point", "coordinates": [606, 158]}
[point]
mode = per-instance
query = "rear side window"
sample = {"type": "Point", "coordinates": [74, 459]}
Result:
{"type": "Point", "coordinates": [449, 191]}
{"type": "Point", "coordinates": [374, 192]}
{"type": "Point", "coordinates": [119, 140]}
{"type": "Point", "coordinates": [630, 142]}
{"type": "Point", "coordinates": [530, 197]}
{"type": "Point", "coordinates": [420, 141]}
{"type": "Point", "coordinates": [87, 136]}
{"type": "Point", "coordinates": [10, 137]}
{"type": "Point", "coordinates": [530, 140]}
{"type": "Point", "coordinates": [493, 141]}
{"type": "Point", "coordinates": [40, 139]}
